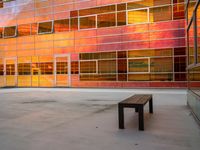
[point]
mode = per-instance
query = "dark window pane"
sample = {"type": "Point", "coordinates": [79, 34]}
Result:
{"type": "Point", "coordinates": [122, 77]}
{"type": "Point", "coordinates": [74, 24]}
{"type": "Point", "coordinates": [24, 69]}
{"type": "Point", "coordinates": [178, 1]}
{"type": "Point", "coordinates": [180, 51]}
{"type": "Point", "coordinates": [46, 68]}
{"type": "Point", "coordinates": [1, 32]}
{"type": "Point", "coordinates": [178, 11]}
{"type": "Point", "coordinates": [121, 7]}
{"type": "Point", "coordinates": [180, 77]}
{"type": "Point", "coordinates": [88, 22]}
{"type": "Point", "coordinates": [10, 31]}
{"type": "Point", "coordinates": [1, 69]}
{"type": "Point", "coordinates": [121, 18]}
{"type": "Point", "coordinates": [160, 13]}
{"type": "Point", "coordinates": [10, 69]}
{"type": "Point", "coordinates": [74, 13]}
{"type": "Point", "coordinates": [61, 25]}
{"type": "Point", "coordinates": [45, 27]}
{"type": "Point", "coordinates": [88, 67]}
{"type": "Point", "coordinates": [62, 67]}
{"type": "Point", "coordinates": [121, 54]}
{"type": "Point", "coordinates": [86, 56]}
{"type": "Point", "coordinates": [106, 20]}
{"type": "Point", "coordinates": [74, 67]}
{"type": "Point", "coordinates": [24, 30]}
{"type": "Point", "coordinates": [180, 64]}
{"type": "Point", "coordinates": [122, 65]}
{"type": "Point", "coordinates": [1, 4]}
{"type": "Point", "coordinates": [106, 55]}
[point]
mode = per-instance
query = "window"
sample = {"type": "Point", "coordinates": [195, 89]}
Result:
{"type": "Point", "coordinates": [138, 65]}
{"type": "Point", "coordinates": [34, 27]}
{"type": "Point", "coordinates": [74, 67]}
{"type": "Point", "coordinates": [137, 16]}
{"type": "Point", "coordinates": [106, 66]}
{"type": "Point", "coordinates": [178, 11]}
{"type": "Point", "coordinates": [88, 67]}
{"type": "Point", "coordinates": [24, 69]}
{"type": "Point", "coordinates": [62, 67]}
{"type": "Point", "coordinates": [9, 32]}
{"type": "Point", "coordinates": [106, 20]}
{"type": "Point", "coordinates": [1, 67]}
{"type": "Point", "coordinates": [46, 68]}
{"type": "Point", "coordinates": [160, 13]}
{"type": "Point", "coordinates": [45, 27]}
{"type": "Point", "coordinates": [97, 10]}
{"type": "Point", "coordinates": [121, 18]}
{"type": "Point", "coordinates": [88, 22]}
{"type": "Point", "coordinates": [161, 64]}
{"type": "Point", "coordinates": [1, 32]}
{"type": "Point", "coordinates": [147, 53]}
{"type": "Point", "coordinates": [61, 25]}
{"type": "Point", "coordinates": [1, 4]}
{"type": "Point", "coordinates": [24, 30]}
{"type": "Point", "coordinates": [74, 24]}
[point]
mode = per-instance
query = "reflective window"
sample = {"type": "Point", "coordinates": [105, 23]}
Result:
{"type": "Point", "coordinates": [10, 69]}
{"type": "Point", "coordinates": [88, 22]}
{"type": "Point", "coordinates": [107, 66]}
{"type": "Point", "coordinates": [1, 68]}
{"type": "Point", "coordinates": [137, 16]}
{"type": "Point", "coordinates": [74, 67]}
{"type": "Point", "coordinates": [162, 77]}
{"type": "Point", "coordinates": [46, 68]}
{"type": "Point", "coordinates": [97, 10]}
{"type": "Point", "coordinates": [160, 13]}
{"type": "Point", "coordinates": [147, 53]}
{"type": "Point", "coordinates": [121, 7]}
{"type": "Point", "coordinates": [138, 65]}
{"type": "Point", "coordinates": [1, 4]}
{"type": "Point", "coordinates": [62, 67]}
{"type": "Point", "coordinates": [24, 30]}
{"type": "Point", "coordinates": [73, 24]}
{"type": "Point", "coordinates": [180, 51]}
{"type": "Point", "coordinates": [122, 65]}
{"type": "Point", "coordinates": [161, 64]}
{"type": "Point", "coordinates": [45, 27]}
{"type": "Point", "coordinates": [138, 77]}
{"type": "Point", "coordinates": [24, 69]}
{"type": "Point", "coordinates": [179, 64]}
{"type": "Point", "coordinates": [9, 32]}
{"type": "Point", "coordinates": [106, 20]}
{"type": "Point", "coordinates": [178, 11]}
{"type": "Point", "coordinates": [121, 18]}
{"type": "Point", "coordinates": [61, 25]}
{"type": "Point", "coordinates": [191, 43]}
{"type": "Point", "coordinates": [74, 13]}
{"type": "Point", "coordinates": [147, 3]}
{"type": "Point", "coordinates": [88, 67]}
{"type": "Point", "coordinates": [96, 77]}
{"type": "Point", "coordinates": [1, 32]}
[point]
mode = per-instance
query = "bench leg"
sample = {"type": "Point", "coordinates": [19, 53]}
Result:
{"type": "Point", "coordinates": [151, 106]}
{"type": "Point", "coordinates": [136, 109]}
{"type": "Point", "coordinates": [141, 118]}
{"type": "Point", "coordinates": [121, 116]}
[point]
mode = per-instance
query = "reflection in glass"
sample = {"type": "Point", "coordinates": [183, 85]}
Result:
{"type": "Point", "coordinates": [106, 20]}
{"type": "Point", "coordinates": [137, 16]}
{"type": "Point", "coordinates": [160, 13]}
{"type": "Point", "coordinates": [9, 32]}
{"type": "Point", "coordinates": [45, 27]}
{"type": "Point", "coordinates": [61, 25]}
{"type": "Point", "coordinates": [88, 22]}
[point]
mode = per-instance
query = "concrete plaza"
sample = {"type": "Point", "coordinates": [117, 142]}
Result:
{"type": "Point", "coordinates": [87, 119]}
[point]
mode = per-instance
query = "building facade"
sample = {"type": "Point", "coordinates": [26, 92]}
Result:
{"type": "Point", "coordinates": [193, 48]}
{"type": "Point", "coordinates": [93, 43]}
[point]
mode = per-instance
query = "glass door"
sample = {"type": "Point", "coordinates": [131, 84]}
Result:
{"type": "Point", "coordinates": [62, 70]}
{"type": "Point", "coordinates": [10, 66]}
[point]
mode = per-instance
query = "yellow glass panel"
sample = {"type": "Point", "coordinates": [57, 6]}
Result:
{"type": "Point", "coordinates": [148, 53]}
{"type": "Point", "coordinates": [35, 81]}
{"type": "Point", "coordinates": [137, 16]}
{"type": "Point", "coordinates": [162, 64]}
{"type": "Point", "coordinates": [10, 80]}
{"type": "Point", "coordinates": [24, 81]}
{"type": "Point", "coordinates": [62, 80]}
{"type": "Point", "coordinates": [138, 77]}
{"type": "Point", "coordinates": [46, 80]}
{"type": "Point", "coordinates": [1, 81]}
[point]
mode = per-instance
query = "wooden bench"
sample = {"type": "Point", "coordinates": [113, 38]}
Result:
{"type": "Point", "coordinates": [136, 101]}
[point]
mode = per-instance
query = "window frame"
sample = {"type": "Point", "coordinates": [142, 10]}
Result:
{"type": "Point", "coordinates": [16, 27]}
{"type": "Point", "coordinates": [52, 27]}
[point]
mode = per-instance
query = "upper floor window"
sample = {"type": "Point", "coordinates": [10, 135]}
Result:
{"type": "Point", "coordinates": [10, 31]}
{"type": "Point", "coordinates": [45, 27]}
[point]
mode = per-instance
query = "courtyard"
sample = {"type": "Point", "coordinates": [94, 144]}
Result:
{"type": "Point", "coordinates": [87, 119]}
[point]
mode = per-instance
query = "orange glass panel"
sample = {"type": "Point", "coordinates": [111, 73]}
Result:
{"type": "Point", "coordinates": [160, 13]}
{"type": "Point", "coordinates": [24, 30]}
{"type": "Point", "coordinates": [138, 77]}
{"type": "Point", "coordinates": [106, 20]}
{"type": "Point", "coordinates": [1, 32]}
{"type": "Point", "coordinates": [88, 22]}
{"type": "Point", "coordinates": [24, 81]}
{"type": "Point", "coordinates": [34, 29]}
{"type": "Point", "coordinates": [74, 24]}
{"type": "Point", "coordinates": [61, 25]}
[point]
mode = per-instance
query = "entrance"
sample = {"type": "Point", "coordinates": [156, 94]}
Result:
{"type": "Point", "coordinates": [10, 65]}
{"type": "Point", "coordinates": [62, 70]}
